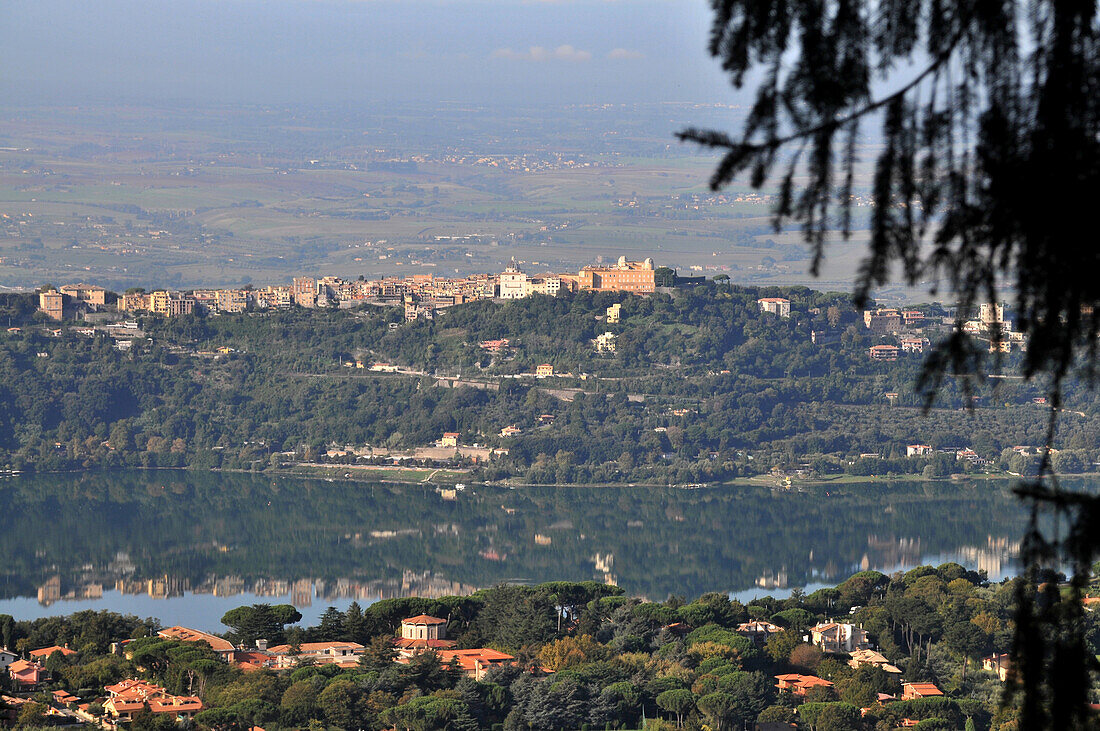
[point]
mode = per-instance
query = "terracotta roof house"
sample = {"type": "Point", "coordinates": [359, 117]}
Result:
{"type": "Point", "coordinates": [837, 638]}
{"type": "Point", "coordinates": [800, 684]}
{"type": "Point", "coordinates": [345, 654]}
{"type": "Point", "coordinates": [475, 663]}
{"type": "Point", "coordinates": [131, 697]}
{"type": "Point", "coordinates": [912, 691]}
{"type": "Point", "coordinates": [64, 697]}
{"type": "Point", "coordinates": [25, 674]}
{"type": "Point", "coordinates": [45, 652]}
{"type": "Point", "coordinates": [870, 657]}
{"type": "Point", "coordinates": [220, 645]}
{"type": "Point", "coordinates": [757, 631]}
{"type": "Point", "coordinates": [253, 659]}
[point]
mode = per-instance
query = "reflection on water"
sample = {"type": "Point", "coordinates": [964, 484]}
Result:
{"type": "Point", "coordinates": [110, 538]}
{"type": "Point", "coordinates": [301, 593]}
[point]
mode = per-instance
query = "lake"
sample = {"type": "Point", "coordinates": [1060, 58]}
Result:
{"type": "Point", "coordinates": [185, 547]}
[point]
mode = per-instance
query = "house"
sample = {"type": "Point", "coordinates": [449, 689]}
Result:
{"type": "Point", "coordinates": [510, 431]}
{"type": "Point", "coordinates": [881, 322]}
{"type": "Point", "coordinates": [800, 684]}
{"type": "Point", "coordinates": [875, 659]}
{"type": "Point", "coordinates": [476, 662]}
{"type": "Point", "coordinates": [757, 631]}
{"type": "Point", "coordinates": [918, 450]}
{"type": "Point", "coordinates": [836, 637]}
{"type": "Point", "coordinates": [222, 646]}
{"type": "Point", "coordinates": [968, 455]}
{"type": "Point", "coordinates": [26, 675]}
{"type": "Point", "coordinates": [913, 345]}
{"type": "Point", "coordinates": [544, 370]}
{"type": "Point", "coordinates": [7, 657]}
{"type": "Point", "coordinates": [883, 352]}
{"type": "Point", "coordinates": [64, 698]}
{"type": "Point", "coordinates": [912, 318]}
{"type": "Point", "coordinates": [130, 697]}
{"type": "Point", "coordinates": [494, 346]}
{"type": "Point", "coordinates": [44, 653]}
{"type": "Point", "coordinates": [1000, 664]}
{"type": "Point", "coordinates": [257, 659]}
{"type": "Point", "coordinates": [912, 691]}
{"type": "Point", "coordinates": [605, 342]}
{"type": "Point", "coordinates": [775, 305]}
{"type": "Point", "coordinates": [89, 293]}
{"type": "Point", "coordinates": [344, 654]}
{"type": "Point", "coordinates": [422, 633]}
{"type": "Point", "coordinates": [614, 313]}
{"type": "Point", "coordinates": [450, 439]}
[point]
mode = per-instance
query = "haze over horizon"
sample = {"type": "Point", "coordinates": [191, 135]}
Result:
{"type": "Point", "coordinates": [483, 52]}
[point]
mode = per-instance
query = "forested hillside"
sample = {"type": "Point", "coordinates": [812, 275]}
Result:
{"type": "Point", "coordinates": [702, 386]}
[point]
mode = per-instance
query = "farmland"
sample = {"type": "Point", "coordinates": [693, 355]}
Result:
{"type": "Point", "coordinates": [182, 198]}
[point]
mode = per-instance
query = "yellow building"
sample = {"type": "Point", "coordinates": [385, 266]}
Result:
{"type": "Point", "coordinates": [133, 302]}
{"type": "Point", "coordinates": [52, 303]}
{"type": "Point", "coordinates": [90, 293]}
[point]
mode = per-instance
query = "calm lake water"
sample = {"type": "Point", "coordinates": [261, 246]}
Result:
{"type": "Point", "coordinates": [187, 547]}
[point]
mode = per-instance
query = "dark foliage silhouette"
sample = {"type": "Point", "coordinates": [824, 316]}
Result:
{"type": "Point", "coordinates": [987, 175]}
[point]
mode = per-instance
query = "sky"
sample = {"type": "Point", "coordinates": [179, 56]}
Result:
{"type": "Point", "coordinates": [359, 51]}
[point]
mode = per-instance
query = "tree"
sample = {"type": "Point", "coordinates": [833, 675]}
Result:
{"type": "Point", "coordinates": [781, 644]}
{"type": "Point", "coordinates": [299, 702]}
{"type": "Point", "coordinates": [337, 702]}
{"type": "Point", "coordinates": [31, 715]}
{"type": "Point", "coordinates": [984, 100]}
{"type": "Point", "coordinates": [568, 651]}
{"type": "Point", "coordinates": [664, 277]}
{"type": "Point", "coordinates": [260, 621]}
{"type": "Point", "coordinates": [678, 702]}
{"type": "Point", "coordinates": [967, 640]}
{"type": "Point", "coordinates": [717, 707]}
{"type": "Point", "coordinates": [838, 717]}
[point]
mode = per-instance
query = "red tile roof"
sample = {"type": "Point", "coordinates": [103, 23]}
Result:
{"type": "Point", "coordinates": [315, 648]}
{"type": "Point", "coordinates": [423, 619]}
{"type": "Point", "coordinates": [921, 690]}
{"type": "Point", "coordinates": [468, 660]}
{"type": "Point", "coordinates": [47, 651]}
{"type": "Point", "coordinates": [175, 704]}
{"type": "Point", "coordinates": [799, 684]}
{"type": "Point", "coordinates": [185, 634]}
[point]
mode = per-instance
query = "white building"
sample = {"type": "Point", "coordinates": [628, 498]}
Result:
{"type": "Point", "coordinates": [513, 284]}
{"type": "Point", "coordinates": [775, 305]}
{"type": "Point", "coordinates": [605, 342]}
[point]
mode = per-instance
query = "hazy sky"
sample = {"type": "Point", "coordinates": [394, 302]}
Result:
{"type": "Point", "coordinates": [318, 51]}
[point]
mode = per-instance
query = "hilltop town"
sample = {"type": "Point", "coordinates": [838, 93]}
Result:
{"type": "Point", "coordinates": [622, 373]}
{"type": "Point", "coordinates": [421, 294]}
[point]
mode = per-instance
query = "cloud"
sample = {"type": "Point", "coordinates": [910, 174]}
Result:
{"type": "Point", "coordinates": [541, 53]}
{"type": "Point", "coordinates": [624, 54]}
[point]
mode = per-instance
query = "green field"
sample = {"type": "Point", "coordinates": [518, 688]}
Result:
{"type": "Point", "coordinates": [206, 203]}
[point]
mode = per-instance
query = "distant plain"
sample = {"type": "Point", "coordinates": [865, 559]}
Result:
{"type": "Point", "coordinates": [234, 196]}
